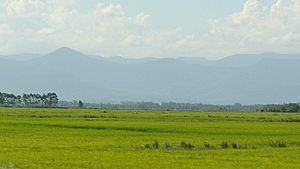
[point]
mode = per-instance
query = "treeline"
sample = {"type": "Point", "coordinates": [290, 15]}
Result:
{"type": "Point", "coordinates": [29, 100]}
{"type": "Point", "coordinates": [51, 100]}
{"type": "Point", "coordinates": [291, 107]}
{"type": "Point", "coordinates": [168, 106]}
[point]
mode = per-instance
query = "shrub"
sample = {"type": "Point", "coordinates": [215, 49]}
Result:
{"type": "Point", "coordinates": [185, 145]}
{"type": "Point", "coordinates": [235, 146]}
{"type": "Point", "coordinates": [148, 146]}
{"type": "Point", "coordinates": [277, 144]}
{"type": "Point", "coordinates": [224, 145]}
{"type": "Point", "coordinates": [243, 147]}
{"type": "Point", "coordinates": [167, 146]}
{"type": "Point", "coordinates": [154, 145]}
{"type": "Point", "coordinates": [207, 145]}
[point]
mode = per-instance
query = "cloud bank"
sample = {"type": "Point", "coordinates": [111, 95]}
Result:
{"type": "Point", "coordinates": [257, 29]}
{"type": "Point", "coordinates": [41, 26]}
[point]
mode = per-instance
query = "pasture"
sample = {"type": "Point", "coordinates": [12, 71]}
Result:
{"type": "Point", "coordinates": [127, 139]}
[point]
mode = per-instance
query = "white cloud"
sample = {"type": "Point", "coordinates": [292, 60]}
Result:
{"type": "Point", "coordinates": [5, 33]}
{"type": "Point", "coordinates": [21, 7]}
{"type": "Point", "coordinates": [41, 26]}
{"type": "Point", "coordinates": [164, 44]}
{"type": "Point", "coordinates": [257, 29]}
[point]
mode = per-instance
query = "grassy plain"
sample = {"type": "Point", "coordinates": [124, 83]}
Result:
{"type": "Point", "coordinates": [90, 138]}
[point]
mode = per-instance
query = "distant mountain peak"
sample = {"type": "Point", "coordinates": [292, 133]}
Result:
{"type": "Point", "coordinates": [66, 50]}
{"type": "Point", "coordinates": [64, 54]}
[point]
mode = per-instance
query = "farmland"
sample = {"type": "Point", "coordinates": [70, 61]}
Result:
{"type": "Point", "coordinates": [92, 138]}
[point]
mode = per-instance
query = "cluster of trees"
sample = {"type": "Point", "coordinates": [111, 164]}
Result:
{"type": "Point", "coordinates": [72, 104]}
{"type": "Point", "coordinates": [29, 100]}
{"type": "Point", "coordinates": [237, 107]}
{"type": "Point", "coordinates": [291, 107]}
{"type": "Point", "coordinates": [167, 106]}
{"type": "Point", "coordinates": [51, 100]}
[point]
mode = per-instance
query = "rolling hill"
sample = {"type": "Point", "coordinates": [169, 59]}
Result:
{"type": "Point", "coordinates": [248, 79]}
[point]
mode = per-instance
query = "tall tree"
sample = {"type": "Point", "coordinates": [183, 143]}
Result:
{"type": "Point", "coordinates": [53, 99]}
{"type": "Point", "coordinates": [80, 104]}
{"type": "Point", "coordinates": [29, 100]}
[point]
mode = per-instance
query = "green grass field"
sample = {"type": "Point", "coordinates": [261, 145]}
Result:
{"type": "Point", "coordinates": [67, 138]}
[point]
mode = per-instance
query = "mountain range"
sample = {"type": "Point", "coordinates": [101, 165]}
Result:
{"type": "Point", "coordinates": [244, 78]}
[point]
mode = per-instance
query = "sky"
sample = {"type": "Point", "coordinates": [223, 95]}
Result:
{"type": "Point", "coordinates": [158, 28]}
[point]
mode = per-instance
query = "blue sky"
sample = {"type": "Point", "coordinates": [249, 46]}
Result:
{"type": "Point", "coordinates": [154, 28]}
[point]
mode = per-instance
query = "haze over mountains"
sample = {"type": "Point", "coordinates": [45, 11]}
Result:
{"type": "Point", "coordinates": [248, 79]}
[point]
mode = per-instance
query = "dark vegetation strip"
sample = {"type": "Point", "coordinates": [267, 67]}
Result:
{"type": "Point", "coordinates": [163, 118]}
{"type": "Point", "coordinates": [156, 145]}
{"type": "Point", "coordinates": [145, 130]}
{"type": "Point", "coordinates": [149, 130]}
{"type": "Point", "coordinates": [52, 100]}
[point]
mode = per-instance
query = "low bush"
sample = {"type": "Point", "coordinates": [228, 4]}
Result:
{"type": "Point", "coordinates": [277, 144]}
{"type": "Point", "coordinates": [154, 145]}
{"type": "Point", "coordinates": [167, 146]}
{"type": "Point", "coordinates": [208, 146]}
{"type": "Point", "coordinates": [237, 146]}
{"type": "Point", "coordinates": [224, 145]}
{"type": "Point", "coordinates": [188, 146]}
{"type": "Point", "coordinates": [185, 145]}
